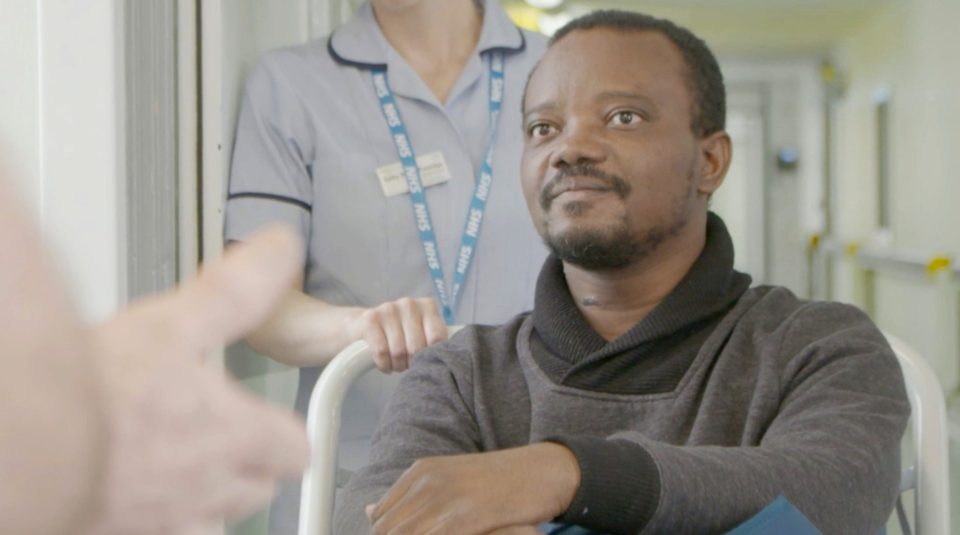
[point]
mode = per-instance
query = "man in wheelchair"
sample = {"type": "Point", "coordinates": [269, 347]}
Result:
{"type": "Point", "coordinates": [651, 389]}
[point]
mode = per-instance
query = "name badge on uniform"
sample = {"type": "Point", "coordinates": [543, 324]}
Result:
{"type": "Point", "coordinates": [433, 170]}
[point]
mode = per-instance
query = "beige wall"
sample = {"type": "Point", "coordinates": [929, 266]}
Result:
{"type": "Point", "coordinates": [906, 49]}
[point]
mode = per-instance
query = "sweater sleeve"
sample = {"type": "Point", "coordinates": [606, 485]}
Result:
{"type": "Point", "coordinates": [428, 415]}
{"type": "Point", "coordinates": [833, 448]}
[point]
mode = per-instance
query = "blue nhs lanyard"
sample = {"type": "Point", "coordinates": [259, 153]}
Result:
{"type": "Point", "coordinates": [421, 212]}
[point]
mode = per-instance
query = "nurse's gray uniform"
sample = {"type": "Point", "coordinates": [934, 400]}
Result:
{"type": "Point", "coordinates": [310, 137]}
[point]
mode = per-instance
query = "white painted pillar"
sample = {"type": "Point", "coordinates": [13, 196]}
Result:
{"type": "Point", "coordinates": [61, 135]}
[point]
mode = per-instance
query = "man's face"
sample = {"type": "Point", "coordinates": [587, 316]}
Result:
{"type": "Point", "coordinates": [611, 168]}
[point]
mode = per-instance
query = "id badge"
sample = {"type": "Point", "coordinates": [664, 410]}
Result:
{"type": "Point", "coordinates": [433, 171]}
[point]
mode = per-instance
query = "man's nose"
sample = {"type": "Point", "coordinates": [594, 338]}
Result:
{"type": "Point", "coordinates": [578, 145]}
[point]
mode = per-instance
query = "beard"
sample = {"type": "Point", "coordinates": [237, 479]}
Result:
{"type": "Point", "coordinates": [605, 249]}
{"type": "Point", "coordinates": [618, 244]}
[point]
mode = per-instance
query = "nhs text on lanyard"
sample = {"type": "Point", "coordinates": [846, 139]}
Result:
{"type": "Point", "coordinates": [421, 212]}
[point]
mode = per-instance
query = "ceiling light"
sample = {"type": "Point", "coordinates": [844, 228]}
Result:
{"type": "Point", "coordinates": [545, 4]}
{"type": "Point", "coordinates": [549, 24]}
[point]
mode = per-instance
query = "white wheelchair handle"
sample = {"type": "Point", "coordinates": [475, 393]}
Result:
{"type": "Point", "coordinates": [323, 429]}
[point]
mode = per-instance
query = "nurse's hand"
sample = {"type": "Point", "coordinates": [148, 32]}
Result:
{"type": "Point", "coordinates": [188, 445]}
{"type": "Point", "coordinates": [395, 330]}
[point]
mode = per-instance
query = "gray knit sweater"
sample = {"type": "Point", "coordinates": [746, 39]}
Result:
{"type": "Point", "coordinates": [773, 395]}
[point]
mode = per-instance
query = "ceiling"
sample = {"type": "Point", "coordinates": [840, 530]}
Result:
{"type": "Point", "coordinates": [751, 27]}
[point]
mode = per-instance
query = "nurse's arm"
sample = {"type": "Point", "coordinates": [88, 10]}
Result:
{"type": "Point", "coordinates": [305, 331]}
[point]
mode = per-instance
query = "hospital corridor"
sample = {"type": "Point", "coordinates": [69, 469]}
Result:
{"type": "Point", "coordinates": [666, 243]}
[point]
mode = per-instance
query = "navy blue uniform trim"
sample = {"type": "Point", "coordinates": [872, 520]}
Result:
{"type": "Point", "coordinates": [344, 61]}
{"type": "Point", "coordinates": [272, 197]}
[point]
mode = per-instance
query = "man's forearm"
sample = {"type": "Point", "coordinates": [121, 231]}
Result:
{"type": "Point", "coordinates": [54, 449]}
{"type": "Point", "coordinates": [52, 418]}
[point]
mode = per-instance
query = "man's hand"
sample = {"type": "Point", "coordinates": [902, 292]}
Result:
{"type": "Point", "coordinates": [188, 445]}
{"type": "Point", "coordinates": [397, 329]}
{"type": "Point", "coordinates": [480, 493]}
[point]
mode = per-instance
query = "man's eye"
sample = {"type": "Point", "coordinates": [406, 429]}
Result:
{"type": "Point", "coordinates": [541, 130]}
{"type": "Point", "coordinates": [622, 118]}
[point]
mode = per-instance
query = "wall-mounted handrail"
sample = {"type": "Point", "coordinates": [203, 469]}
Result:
{"type": "Point", "coordinates": [867, 261]}
{"type": "Point", "coordinates": [887, 258]}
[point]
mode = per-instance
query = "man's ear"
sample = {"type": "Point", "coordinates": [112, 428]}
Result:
{"type": "Point", "coordinates": [716, 150]}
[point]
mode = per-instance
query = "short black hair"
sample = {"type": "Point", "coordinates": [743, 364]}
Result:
{"type": "Point", "coordinates": [705, 80]}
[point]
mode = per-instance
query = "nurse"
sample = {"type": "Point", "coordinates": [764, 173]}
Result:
{"type": "Point", "coordinates": [326, 141]}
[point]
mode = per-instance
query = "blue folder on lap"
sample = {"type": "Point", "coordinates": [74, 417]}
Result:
{"type": "Point", "coordinates": [778, 518]}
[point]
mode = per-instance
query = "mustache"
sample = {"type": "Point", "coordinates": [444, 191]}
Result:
{"type": "Point", "coordinates": [614, 182]}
